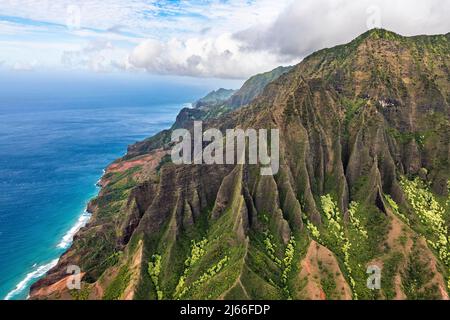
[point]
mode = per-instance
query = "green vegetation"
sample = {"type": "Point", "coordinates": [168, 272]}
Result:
{"type": "Point", "coordinates": [82, 294]}
{"type": "Point", "coordinates": [118, 285]}
{"type": "Point", "coordinates": [154, 269]}
{"type": "Point", "coordinates": [270, 247]}
{"type": "Point", "coordinates": [211, 272]}
{"type": "Point", "coordinates": [255, 86]}
{"type": "Point", "coordinates": [352, 107]}
{"type": "Point", "coordinates": [219, 96]}
{"type": "Point", "coordinates": [314, 230]}
{"type": "Point", "coordinates": [327, 282]}
{"type": "Point", "coordinates": [197, 252]}
{"type": "Point", "coordinates": [394, 206]}
{"type": "Point", "coordinates": [390, 269]}
{"type": "Point", "coordinates": [406, 137]}
{"type": "Point", "coordinates": [337, 238]}
{"type": "Point", "coordinates": [287, 264]}
{"type": "Point", "coordinates": [355, 243]}
{"type": "Point", "coordinates": [167, 159]}
{"type": "Point", "coordinates": [416, 277]}
{"type": "Point", "coordinates": [355, 221]}
{"type": "Point", "coordinates": [116, 192]}
{"type": "Point", "coordinates": [431, 215]}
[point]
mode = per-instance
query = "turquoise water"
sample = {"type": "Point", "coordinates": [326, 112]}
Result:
{"type": "Point", "coordinates": [56, 137]}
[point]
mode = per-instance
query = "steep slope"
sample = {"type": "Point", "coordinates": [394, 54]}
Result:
{"type": "Point", "coordinates": [254, 86]}
{"type": "Point", "coordinates": [364, 133]}
{"type": "Point", "coordinates": [212, 106]}
{"type": "Point", "coordinates": [213, 98]}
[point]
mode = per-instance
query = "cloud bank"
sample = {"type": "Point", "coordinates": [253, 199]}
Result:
{"type": "Point", "coordinates": [222, 57]}
{"type": "Point", "coordinates": [309, 25]}
{"type": "Point", "coordinates": [201, 38]}
{"type": "Point", "coordinates": [301, 28]}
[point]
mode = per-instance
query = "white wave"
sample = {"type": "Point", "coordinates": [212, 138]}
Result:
{"type": "Point", "coordinates": [97, 184]}
{"type": "Point", "coordinates": [68, 237]}
{"type": "Point", "coordinates": [39, 271]}
{"type": "Point", "coordinates": [36, 273]}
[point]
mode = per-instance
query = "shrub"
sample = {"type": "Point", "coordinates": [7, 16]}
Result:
{"type": "Point", "coordinates": [154, 269]}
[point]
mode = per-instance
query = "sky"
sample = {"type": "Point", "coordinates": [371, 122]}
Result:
{"type": "Point", "coordinates": [227, 39]}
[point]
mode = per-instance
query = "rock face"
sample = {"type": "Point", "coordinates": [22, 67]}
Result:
{"type": "Point", "coordinates": [363, 181]}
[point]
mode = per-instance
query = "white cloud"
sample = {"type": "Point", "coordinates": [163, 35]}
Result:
{"type": "Point", "coordinates": [42, 54]}
{"type": "Point", "coordinates": [141, 17]}
{"type": "Point", "coordinates": [24, 66]}
{"type": "Point", "coordinates": [97, 55]}
{"type": "Point", "coordinates": [308, 25]}
{"type": "Point", "coordinates": [126, 24]}
{"type": "Point", "coordinates": [285, 35]}
{"type": "Point", "coordinates": [205, 57]}
{"type": "Point", "coordinates": [230, 39]}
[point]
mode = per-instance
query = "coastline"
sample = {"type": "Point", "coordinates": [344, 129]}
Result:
{"type": "Point", "coordinates": [64, 146]}
{"type": "Point", "coordinates": [63, 244]}
{"type": "Point", "coordinates": [39, 270]}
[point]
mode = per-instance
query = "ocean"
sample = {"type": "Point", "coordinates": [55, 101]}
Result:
{"type": "Point", "coordinates": [57, 134]}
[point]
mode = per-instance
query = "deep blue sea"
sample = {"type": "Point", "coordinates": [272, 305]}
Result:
{"type": "Point", "coordinates": [57, 134]}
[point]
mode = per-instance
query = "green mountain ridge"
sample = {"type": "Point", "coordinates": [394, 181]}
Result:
{"type": "Point", "coordinates": [215, 97]}
{"type": "Point", "coordinates": [220, 103]}
{"type": "Point", "coordinates": [363, 182]}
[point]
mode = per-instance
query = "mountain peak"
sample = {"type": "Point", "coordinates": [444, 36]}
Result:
{"type": "Point", "coordinates": [379, 33]}
{"type": "Point", "coordinates": [345, 50]}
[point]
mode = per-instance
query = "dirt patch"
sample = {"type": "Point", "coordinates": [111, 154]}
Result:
{"type": "Point", "coordinates": [135, 270]}
{"type": "Point", "coordinates": [148, 162]}
{"type": "Point", "coordinates": [398, 230]}
{"type": "Point", "coordinates": [58, 290]}
{"type": "Point", "coordinates": [401, 238]}
{"type": "Point", "coordinates": [319, 268]}
{"type": "Point", "coordinates": [438, 279]}
{"type": "Point", "coordinates": [97, 292]}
